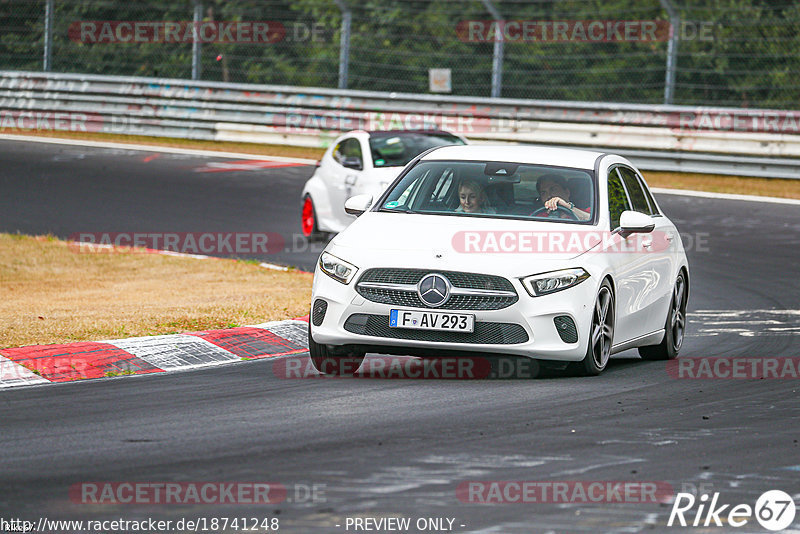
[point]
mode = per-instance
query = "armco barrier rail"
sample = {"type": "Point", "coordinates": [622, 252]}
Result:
{"type": "Point", "coordinates": [708, 140]}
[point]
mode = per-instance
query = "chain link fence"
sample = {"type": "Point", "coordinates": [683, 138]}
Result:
{"type": "Point", "coordinates": [741, 53]}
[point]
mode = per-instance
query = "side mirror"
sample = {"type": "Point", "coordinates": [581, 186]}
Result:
{"type": "Point", "coordinates": [358, 204]}
{"type": "Point", "coordinates": [353, 162]}
{"type": "Point", "coordinates": [633, 222]}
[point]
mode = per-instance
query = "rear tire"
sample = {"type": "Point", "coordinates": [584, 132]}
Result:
{"type": "Point", "coordinates": [328, 363]}
{"type": "Point", "coordinates": [674, 328]}
{"type": "Point", "coordinates": [601, 334]}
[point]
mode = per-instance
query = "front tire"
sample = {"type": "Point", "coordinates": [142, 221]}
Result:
{"type": "Point", "coordinates": [601, 333]}
{"type": "Point", "coordinates": [674, 328]}
{"type": "Point", "coordinates": [328, 363]}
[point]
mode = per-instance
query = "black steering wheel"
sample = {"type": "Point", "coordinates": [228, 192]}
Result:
{"type": "Point", "coordinates": [560, 208]}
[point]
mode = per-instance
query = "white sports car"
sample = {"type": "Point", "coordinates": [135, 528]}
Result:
{"type": "Point", "coordinates": [552, 254]}
{"type": "Point", "coordinates": [360, 162]}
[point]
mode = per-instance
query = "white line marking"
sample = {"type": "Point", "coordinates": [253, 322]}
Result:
{"type": "Point", "coordinates": [247, 165]}
{"type": "Point", "coordinates": [263, 265]}
{"type": "Point", "coordinates": [747, 323]}
{"type": "Point", "coordinates": [274, 267]}
{"type": "Point", "coordinates": [582, 470]}
{"type": "Point", "coordinates": [155, 148]}
{"type": "Point", "coordinates": [725, 196]}
{"type": "Point", "coordinates": [722, 323]}
{"type": "Point", "coordinates": [740, 313]}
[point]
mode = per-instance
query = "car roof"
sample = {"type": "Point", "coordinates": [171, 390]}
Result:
{"type": "Point", "coordinates": [390, 133]}
{"type": "Point", "coordinates": [539, 155]}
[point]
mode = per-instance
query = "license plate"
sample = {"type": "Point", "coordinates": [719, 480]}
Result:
{"type": "Point", "coordinates": [450, 322]}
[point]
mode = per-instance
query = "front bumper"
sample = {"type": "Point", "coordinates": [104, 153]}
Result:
{"type": "Point", "coordinates": [526, 328]}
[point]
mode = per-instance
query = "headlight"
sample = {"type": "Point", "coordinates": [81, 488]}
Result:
{"type": "Point", "coordinates": [546, 283]}
{"type": "Point", "coordinates": [336, 268]}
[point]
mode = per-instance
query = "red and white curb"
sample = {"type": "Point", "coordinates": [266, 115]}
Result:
{"type": "Point", "coordinates": [44, 364]}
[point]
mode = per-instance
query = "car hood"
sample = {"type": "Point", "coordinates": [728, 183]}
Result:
{"type": "Point", "coordinates": [456, 243]}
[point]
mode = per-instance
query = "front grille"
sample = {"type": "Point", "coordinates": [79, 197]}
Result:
{"type": "Point", "coordinates": [565, 327]}
{"type": "Point", "coordinates": [410, 298]}
{"type": "Point", "coordinates": [458, 279]}
{"type": "Point", "coordinates": [484, 333]}
{"type": "Point", "coordinates": [396, 297]}
{"type": "Point", "coordinates": [318, 312]}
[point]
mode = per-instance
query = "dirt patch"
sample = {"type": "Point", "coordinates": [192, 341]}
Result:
{"type": "Point", "coordinates": [50, 293]}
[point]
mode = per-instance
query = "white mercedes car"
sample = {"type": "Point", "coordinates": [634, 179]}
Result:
{"type": "Point", "coordinates": [552, 254]}
{"type": "Point", "coordinates": [360, 162]}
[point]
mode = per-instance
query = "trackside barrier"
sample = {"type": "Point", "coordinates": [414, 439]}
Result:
{"type": "Point", "coordinates": [672, 138]}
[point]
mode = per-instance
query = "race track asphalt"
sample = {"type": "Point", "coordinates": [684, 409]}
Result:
{"type": "Point", "coordinates": [400, 448]}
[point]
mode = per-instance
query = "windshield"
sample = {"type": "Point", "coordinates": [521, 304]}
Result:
{"type": "Point", "coordinates": [396, 149]}
{"type": "Point", "coordinates": [495, 189]}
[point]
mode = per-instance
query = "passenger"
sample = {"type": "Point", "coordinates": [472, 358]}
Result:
{"type": "Point", "coordinates": [472, 198]}
{"type": "Point", "coordinates": [554, 193]}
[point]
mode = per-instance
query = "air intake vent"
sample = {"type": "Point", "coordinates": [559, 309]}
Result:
{"type": "Point", "coordinates": [566, 329]}
{"type": "Point", "coordinates": [318, 312]}
{"type": "Point", "coordinates": [485, 333]}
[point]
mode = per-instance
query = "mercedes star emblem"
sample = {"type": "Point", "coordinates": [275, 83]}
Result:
{"type": "Point", "coordinates": [434, 289]}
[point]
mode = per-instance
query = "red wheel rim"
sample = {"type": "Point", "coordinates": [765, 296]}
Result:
{"type": "Point", "coordinates": [308, 217]}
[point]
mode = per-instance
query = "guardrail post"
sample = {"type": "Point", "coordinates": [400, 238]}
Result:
{"type": "Point", "coordinates": [672, 50]}
{"type": "Point", "coordinates": [196, 46]}
{"type": "Point", "coordinates": [344, 43]}
{"type": "Point", "coordinates": [48, 36]}
{"type": "Point", "coordinates": [497, 52]}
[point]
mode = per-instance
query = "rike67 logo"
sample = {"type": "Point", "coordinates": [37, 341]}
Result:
{"type": "Point", "coordinates": [774, 510]}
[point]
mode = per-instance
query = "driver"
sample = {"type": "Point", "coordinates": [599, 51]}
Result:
{"type": "Point", "coordinates": [554, 193]}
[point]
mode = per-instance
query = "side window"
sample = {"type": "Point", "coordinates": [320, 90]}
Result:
{"type": "Point", "coordinates": [352, 149]}
{"type": "Point", "coordinates": [348, 148]}
{"type": "Point", "coordinates": [635, 191]}
{"type": "Point", "coordinates": [653, 207]}
{"type": "Point", "coordinates": [617, 200]}
{"type": "Point", "coordinates": [338, 152]}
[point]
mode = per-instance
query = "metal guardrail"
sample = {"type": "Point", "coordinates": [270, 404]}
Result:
{"type": "Point", "coordinates": [713, 164]}
{"type": "Point", "coordinates": [675, 138]}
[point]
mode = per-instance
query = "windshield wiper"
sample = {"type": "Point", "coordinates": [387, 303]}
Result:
{"type": "Point", "coordinates": [400, 209]}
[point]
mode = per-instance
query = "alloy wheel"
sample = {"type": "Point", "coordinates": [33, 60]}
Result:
{"type": "Point", "coordinates": [602, 327]}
